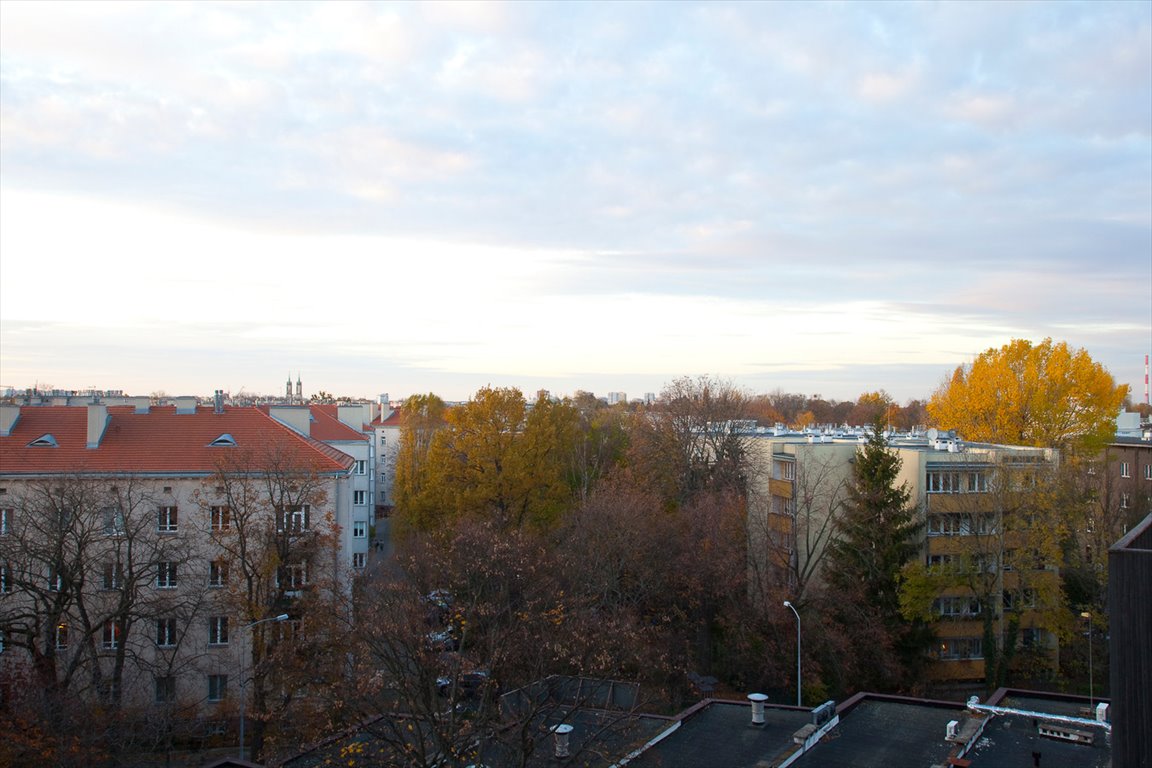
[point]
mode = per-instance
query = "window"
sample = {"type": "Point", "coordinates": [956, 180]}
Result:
{"type": "Point", "coordinates": [166, 633]}
{"type": "Point", "coordinates": [165, 689]}
{"type": "Point", "coordinates": [113, 575]}
{"type": "Point", "coordinates": [1033, 638]}
{"type": "Point", "coordinates": [943, 562]}
{"type": "Point", "coordinates": [220, 517]}
{"type": "Point", "coordinates": [956, 606]}
{"type": "Point", "coordinates": [113, 521]}
{"type": "Point", "coordinates": [957, 524]}
{"type": "Point", "coordinates": [953, 648]}
{"type": "Point", "coordinates": [978, 482]}
{"type": "Point", "coordinates": [1125, 500]}
{"type": "Point", "coordinates": [292, 577]}
{"type": "Point", "coordinates": [6, 516]}
{"type": "Point", "coordinates": [943, 482]}
{"type": "Point", "coordinates": [359, 529]}
{"type": "Point", "coordinates": [166, 574]}
{"type": "Point", "coordinates": [5, 583]}
{"type": "Point", "coordinates": [166, 520]}
{"type": "Point", "coordinates": [785, 470]}
{"type": "Point", "coordinates": [218, 630]}
{"type": "Point", "coordinates": [55, 579]}
{"type": "Point", "coordinates": [61, 636]}
{"type": "Point", "coordinates": [110, 639]}
{"type": "Point", "coordinates": [217, 687]}
{"type": "Point", "coordinates": [1019, 600]}
{"type": "Point", "coordinates": [359, 498]}
{"type": "Point", "coordinates": [361, 467]}
{"type": "Point", "coordinates": [1125, 469]}
{"type": "Point", "coordinates": [293, 519]}
{"type": "Point", "coordinates": [218, 573]}
{"type": "Point", "coordinates": [358, 559]}
{"type": "Point", "coordinates": [1148, 471]}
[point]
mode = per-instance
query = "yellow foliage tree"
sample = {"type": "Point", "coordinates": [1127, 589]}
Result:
{"type": "Point", "coordinates": [416, 503]}
{"type": "Point", "coordinates": [493, 457]}
{"type": "Point", "coordinates": [1042, 394]}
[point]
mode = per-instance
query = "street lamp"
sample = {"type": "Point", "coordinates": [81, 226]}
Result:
{"type": "Point", "coordinates": [243, 678]}
{"type": "Point", "coordinates": [789, 605]}
{"type": "Point", "coordinates": [1088, 616]}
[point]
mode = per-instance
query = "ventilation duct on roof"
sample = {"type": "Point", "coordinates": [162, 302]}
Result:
{"type": "Point", "coordinates": [757, 700]}
{"type": "Point", "coordinates": [560, 734]}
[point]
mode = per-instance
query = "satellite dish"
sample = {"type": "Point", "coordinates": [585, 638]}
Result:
{"type": "Point", "coordinates": [932, 434]}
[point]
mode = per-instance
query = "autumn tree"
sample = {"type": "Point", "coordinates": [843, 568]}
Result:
{"type": "Point", "coordinates": [414, 490]}
{"type": "Point", "coordinates": [1042, 394]}
{"type": "Point", "coordinates": [81, 560]}
{"type": "Point", "coordinates": [274, 551]}
{"type": "Point", "coordinates": [495, 457]}
{"type": "Point", "coordinates": [875, 537]}
{"type": "Point", "coordinates": [693, 439]}
{"type": "Point", "coordinates": [600, 442]}
{"type": "Point", "coordinates": [871, 407]}
{"type": "Point", "coordinates": [462, 617]}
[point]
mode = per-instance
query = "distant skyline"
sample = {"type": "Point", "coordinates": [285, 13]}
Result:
{"type": "Point", "coordinates": [824, 198]}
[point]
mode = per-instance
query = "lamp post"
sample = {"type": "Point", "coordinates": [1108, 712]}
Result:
{"type": "Point", "coordinates": [1088, 616]}
{"type": "Point", "coordinates": [243, 678]}
{"type": "Point", "coordinates": [789, 605]}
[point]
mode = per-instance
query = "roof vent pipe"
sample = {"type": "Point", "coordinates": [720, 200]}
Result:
{"type": "Point", "coordinates": [757, 700]}
{"type": "Point", "coordinates": [218, 401]}
{"type": "Point", "coordinates": [560, 735]}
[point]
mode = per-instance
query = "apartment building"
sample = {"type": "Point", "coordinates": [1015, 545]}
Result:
{"type": "Point", "coordinates": [981, 538]}
{"type": "Point", "coordinates": [140, 544]}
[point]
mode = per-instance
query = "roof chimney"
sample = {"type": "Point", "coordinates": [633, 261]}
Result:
{"type": "Point", "coordinates": [141, 404]}
{"type": "Point", "coordinates": [218, 401]}
{"type": "Point", "coordinates": [97, 422]}
{"type": "Point", "coordinates": [9, 415]}
{"type": "Point", "coordinates": [757, 700]}
{"type": "Point", "coordinates": [185, 405]}
{"type": "Point", "coordinates": [560, 735]}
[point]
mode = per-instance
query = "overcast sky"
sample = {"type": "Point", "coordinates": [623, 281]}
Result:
{"type": "Point", "coordinates": [823, 197]}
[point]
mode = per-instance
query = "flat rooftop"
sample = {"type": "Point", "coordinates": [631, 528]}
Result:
{"type": "Point", "coordinates": [720, 733]}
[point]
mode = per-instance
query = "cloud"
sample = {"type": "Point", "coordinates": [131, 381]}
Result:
{"type": "Point", "coordinates": [672, 170]}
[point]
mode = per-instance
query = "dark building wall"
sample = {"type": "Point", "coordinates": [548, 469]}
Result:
{"type": "Point", "coordinates": [1130, 646]}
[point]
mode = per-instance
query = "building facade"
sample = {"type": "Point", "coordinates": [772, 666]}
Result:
{"type": "Point", "coordinates": [983, 542]}
{"type": "Point", "coordinates": [141, 547]}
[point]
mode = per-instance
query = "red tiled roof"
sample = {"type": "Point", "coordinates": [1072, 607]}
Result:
{"type": "Point", "coordinates": [327, 426]}
{"type": "Point", "coordinates": [155, 442]}
{"type": "Point", "coordinates": [393, 419]}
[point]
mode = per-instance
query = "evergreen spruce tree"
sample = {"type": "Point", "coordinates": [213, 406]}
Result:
{"type": "Point", "coordinates": [876, 535]}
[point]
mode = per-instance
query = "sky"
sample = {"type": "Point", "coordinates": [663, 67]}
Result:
{"type": "Point", "coordinates": [825, 198]}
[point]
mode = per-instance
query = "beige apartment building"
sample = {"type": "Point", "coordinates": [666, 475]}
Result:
{"type": "Point", "coordinates": [982, 541]}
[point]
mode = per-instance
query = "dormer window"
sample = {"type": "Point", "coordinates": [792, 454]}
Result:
{"type": "Point", "coordinates": [43, 441]}
{"type": "Point", "coordinates": [224, 441]}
